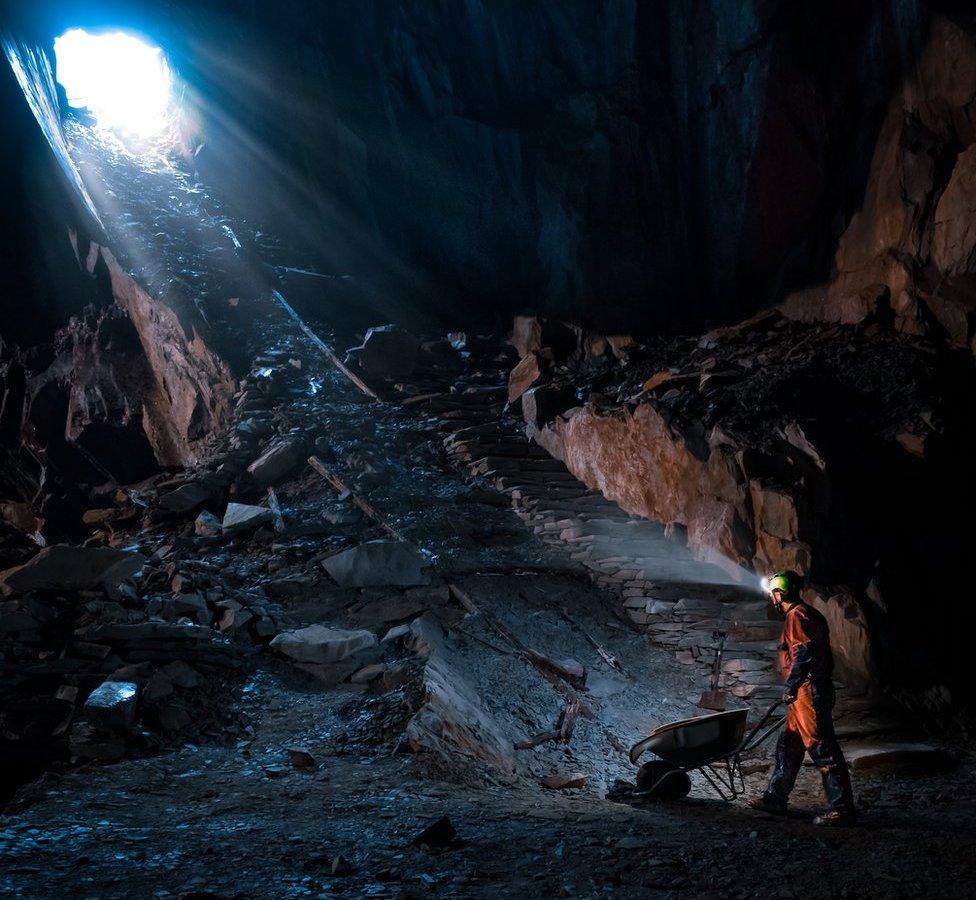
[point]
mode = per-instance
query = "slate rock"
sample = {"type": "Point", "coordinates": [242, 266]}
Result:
{"type": "Point", "coordinates": [388, 351]}
{"type": "Point", "coordinates": [439, 834]}
{"type": "Point", "coordinates": [112, 704]}
{"type": "Point", "coordinates": [277, 462]}
{"type": "Point", "coordinates": [185, 498]}
{"type": "Point", "coordinates": [396, 632]}
{"type": "Point", "coordinates": [341, 867]}
{"type": "Point", "coordinates": [241, 517]}
{"type": "Point", "coordinates": [207, 525]}
{"type": "Point", "coordinates": [300, 758]}
{"type": "Point", "coordinates": [62, 567]}
{"type": "Point", "coordinates": [914, 757]}
{"type": "Point", "coordinates": [182, 674]}
{"type": "Point", "coordinates": [368, 673]}
{"type": "Point", "coordinates": [321, 644]}
{"type": "Point", "coordinates": [376, 564]}
{"type": "Point", "coordinates": [564, 782]}
{"type": "Point", "coordinates": [528, 371]}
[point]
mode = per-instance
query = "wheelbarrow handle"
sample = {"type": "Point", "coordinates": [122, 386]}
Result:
{"type": "Point", "coordinates": [747, 743]}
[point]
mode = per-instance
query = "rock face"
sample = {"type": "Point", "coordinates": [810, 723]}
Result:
{"type": "Point", "coordinates": [189, 391]}
{"type": "Point", "coordinates": [116, 374]}
{"type": "Point", "coordinates": [636, 460]}
{"type": "Point", "coordinates": [908, 253]}
{"type": "Point", "coordinates": [705, 435]}
{"type": "Point", "coordinates": [494, 155]}
{"type": "Point", "coordinates": [62, 567]}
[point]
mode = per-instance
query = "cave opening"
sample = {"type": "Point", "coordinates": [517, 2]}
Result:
{"type": "Point", "coordinates": [121, 80]}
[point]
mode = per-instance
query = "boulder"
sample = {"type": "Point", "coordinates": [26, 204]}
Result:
{"type": "Point", "coordinates": [531, 334]}
{"type": "Point", "coordinates": [112, 704]}
{"type": "Point", "coordinates": [185, 498]}
{"type": "Point", "coordinates": [396, 633]}
{"type": "Point", "coordinates": [300, 758]}
{"type": "Point", "coordinates": [20, 516]}
{"type": "Point", "coordinates": [528, 371]}
{"type": "Point", "coordinates": [368, 673]}
{"type": "Point", "coordinates": [207, 525]}
{"type": "Point", "coordinates": [277, 461]}
{"type": "Point", "coordinates": [388, 351]}
{"type": "Point", "coordinates": [377, 564]}
{"type": "Point", "coordinates": [426, 637]}
{"type": "Point", "coordinates": [321, 644]}
{"type": "Point", "coordinates": [390, 609]}
{"type": "Point", "coordinates": [526, 335]}
{"type": "Point", "coordinates": [240, 517]}
{"type": "Point", "coordinates": [182, 674]}
{"type": "Point", "coordinates": [62, 567]}
{"type": "Point", "coordinates": [331, 674]}
{"type": "Point", "coordinates": [440, 834]}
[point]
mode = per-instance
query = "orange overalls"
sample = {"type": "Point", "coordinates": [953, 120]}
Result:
{"type": "Point", "coordinates": [807, 665]}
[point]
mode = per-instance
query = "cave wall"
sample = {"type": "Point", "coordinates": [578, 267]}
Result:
{"type": "Point", "coordinates": [627, 165]}
{"type": "Point", "coordinates": [98, 379]}
{"type": "Point", "coordinates": [909, 252]}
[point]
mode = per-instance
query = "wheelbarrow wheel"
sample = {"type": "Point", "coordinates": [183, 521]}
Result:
{"type": "Point", "coordinates": [676, 785]}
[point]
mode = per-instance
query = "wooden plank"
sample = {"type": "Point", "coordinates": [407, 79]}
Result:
{"type": "Point", "coordinates": [327, 351]}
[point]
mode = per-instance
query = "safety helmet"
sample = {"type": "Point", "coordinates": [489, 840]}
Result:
{"type": "Point", "coordinates": [787, 582]}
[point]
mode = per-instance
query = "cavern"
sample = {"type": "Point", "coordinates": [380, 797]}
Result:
{"type": "Point", "coordinates": [487, 448]}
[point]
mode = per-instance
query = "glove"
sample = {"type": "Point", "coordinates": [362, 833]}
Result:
{"type": "Point", "coordinates": [789, 698]}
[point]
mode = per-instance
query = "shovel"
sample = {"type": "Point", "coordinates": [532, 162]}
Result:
{"type": "Point", "coordinates": [714, 698]}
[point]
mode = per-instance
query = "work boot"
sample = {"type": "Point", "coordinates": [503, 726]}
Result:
{"type": "Point", "coordinates": [762, 803]}
{"type": "Point", "coordinates": [836, 818]}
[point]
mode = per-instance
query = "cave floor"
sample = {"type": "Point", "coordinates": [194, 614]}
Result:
{"type": "Point", "coordinates": [206, 821]}
{"type": "Point", "coordinates": [228, 817]}
{"type": "Point", "coordinates": [224, 814]}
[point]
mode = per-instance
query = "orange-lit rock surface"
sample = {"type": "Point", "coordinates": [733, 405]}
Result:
{"type": "Point", "coordinates": [911, 246]}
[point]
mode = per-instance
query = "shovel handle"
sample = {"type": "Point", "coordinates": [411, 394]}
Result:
{"type": "Point", "coordinates": [717, 665]}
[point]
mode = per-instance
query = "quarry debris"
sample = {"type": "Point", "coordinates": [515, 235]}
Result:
{"type": "Point", "coordinates": [241, 517]}
{"type": "Point", "coordinates": [377, 563]}
{"type": "Point", "coordinates": [387, 351]}
{"type": "Point", "coordinates": [63, 567]}
{"type": "Point", "coordinates": [322, 644]}
{"type": "Point", "coordinates": [112, 704]}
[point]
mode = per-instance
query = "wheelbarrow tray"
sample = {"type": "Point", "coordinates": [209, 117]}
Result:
{"type": "Point", "coordinates": [713, 744]}
{"type": "Point", "coordinates": [696, 742]}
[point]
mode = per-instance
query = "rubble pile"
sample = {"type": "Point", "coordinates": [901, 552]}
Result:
{"type": "Point", "coordinates": [74, 622]}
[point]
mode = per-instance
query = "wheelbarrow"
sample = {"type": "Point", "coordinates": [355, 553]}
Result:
{"type": "Point", "coordinates": [711, 744]}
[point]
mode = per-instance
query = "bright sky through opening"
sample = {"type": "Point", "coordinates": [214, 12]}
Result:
{"type": "Point", "coordinates": [124, 82]}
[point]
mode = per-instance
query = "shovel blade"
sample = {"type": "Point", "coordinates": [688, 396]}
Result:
{"type": "Point", "coordinates": [713, 700]}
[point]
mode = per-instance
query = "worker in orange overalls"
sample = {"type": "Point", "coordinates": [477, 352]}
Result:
{"type": "Point", "coordinates": [807, 665]}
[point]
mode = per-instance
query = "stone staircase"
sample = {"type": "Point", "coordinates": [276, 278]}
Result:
{"type": "Point", "coordinates": [679, 602]}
